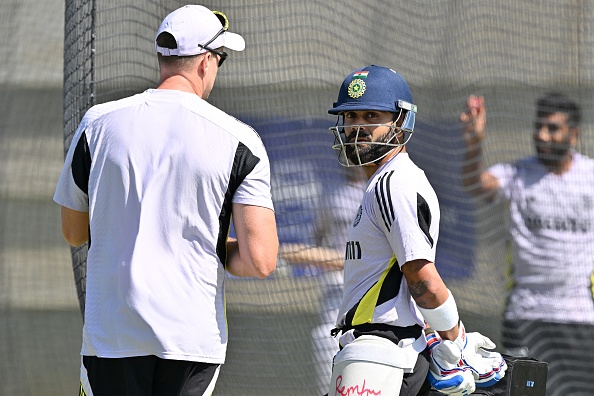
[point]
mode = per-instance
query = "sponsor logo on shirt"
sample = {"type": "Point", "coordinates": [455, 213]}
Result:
{"type": "Point", "coordinates": [537, 223]}
{"type": "Point", "coordinates": [353, 250]}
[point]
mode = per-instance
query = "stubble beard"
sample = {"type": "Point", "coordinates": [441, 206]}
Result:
{"type": "Point", "coordinates": [556, 155]}
{"type": "Point", "coordinates": [370, 152]}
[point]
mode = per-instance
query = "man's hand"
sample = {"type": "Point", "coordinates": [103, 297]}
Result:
{"type": "Point", "coordinates": [453, 361]}
{"type": "Point", "coordinates": [458, 383]}
{"type": "Point", "coordinates": [447, 372]}
{"type": "Point", "coordinates": [474, 120]}
{"type": "Point", "coordinates": [487, 367]}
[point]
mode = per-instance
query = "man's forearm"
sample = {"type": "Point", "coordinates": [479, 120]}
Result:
{"type": "Point", "coordinates": [472, 169]}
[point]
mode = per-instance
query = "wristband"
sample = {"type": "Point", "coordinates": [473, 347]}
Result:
{"type": "Point", "coordinates": [443, 317]}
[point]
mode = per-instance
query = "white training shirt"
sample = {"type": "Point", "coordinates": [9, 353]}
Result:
{"type": "Point", "coordinates": [398, 221]}
{"type": "Point", "coordinates": [334, 217]}
{"type": "Point", "coordinates": [162, 169]}
{"type": "Point", "coordinates": [552, 228]}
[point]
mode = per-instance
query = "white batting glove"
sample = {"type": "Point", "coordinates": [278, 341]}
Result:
{"type": "Point", "coordinates": [447, 372]}
{"type": "Point", "coordinates": [460, 383]}
{"type": "Point", "coordinates": [487, 367]}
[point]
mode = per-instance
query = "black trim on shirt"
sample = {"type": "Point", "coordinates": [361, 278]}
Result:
{"type": "Point", "coordinates": [389, 290]}
{"type": "Point", "coordinates": [424, 216]}
{"type": "Point", "coordinates": [244, 163]}
{"type": "Point", "coordinates": [81, 164]}
{"type": "Point", "coordinates": [350, 315]}
{"type": "Point", "coordinates": [391, 285]}
{"type": "Point", "coordinates": [81, 168]}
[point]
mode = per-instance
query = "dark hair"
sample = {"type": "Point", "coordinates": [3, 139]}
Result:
{"type": "Point", "coordinates": [166, 40]}
{"type": "Point", "coordinates": [558, 103]}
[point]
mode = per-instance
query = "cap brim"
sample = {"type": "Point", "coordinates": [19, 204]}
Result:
{"type": "Point", "coordinates": [233, 41]}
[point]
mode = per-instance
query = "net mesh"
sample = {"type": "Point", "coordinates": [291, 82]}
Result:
{"type": "Point", "coordinates": [61, 57]}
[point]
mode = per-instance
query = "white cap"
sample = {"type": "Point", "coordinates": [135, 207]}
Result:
{"type": "Point", "coordinates": [195, 25]}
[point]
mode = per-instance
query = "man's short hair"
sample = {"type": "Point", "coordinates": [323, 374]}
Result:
{"type": "Point", "coordinates": [558, 103]}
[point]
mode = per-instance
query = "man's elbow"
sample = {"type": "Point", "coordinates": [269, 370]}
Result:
{"type": "Point", "coordinates": [264, 258]}
{"type": "Point", "coordinates": [74, 239]}
{"type": "Point", "coordinates": [265, 268]}
{"type": "Point", "coordinates": [75, 226]}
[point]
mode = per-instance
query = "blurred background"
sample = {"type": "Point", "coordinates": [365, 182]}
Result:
{"type": "Point", "coordinates": [59, 57]}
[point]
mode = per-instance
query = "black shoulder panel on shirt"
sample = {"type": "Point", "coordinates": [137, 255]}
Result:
{"type": "Point", "coordinates": [424, 216]}
{"type": "Point", "coordinates": [243, 163]}
{"type": "Point", "coordinates": [81, 164]}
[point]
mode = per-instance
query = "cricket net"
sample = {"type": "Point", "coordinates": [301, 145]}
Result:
{"type": "Point", "coordinates": [297, 53]}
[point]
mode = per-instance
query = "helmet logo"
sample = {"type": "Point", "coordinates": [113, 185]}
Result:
{"type": "Point", "coordinates": [356, 88]}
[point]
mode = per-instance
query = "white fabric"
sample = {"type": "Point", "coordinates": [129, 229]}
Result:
{"type": "Point", "coordinates": [374, 364]}
{"type": "Point", "coordinates": [335, 215]}
{"type": "Point", "coordinates": [383, 351]}
{"type": "Point", "coordinates": [552, 227]}
{"type": "Point", "coordinates": [324, 348]}
{"type": "Point", "coordinates": [161, 163]}
{"type": "Point", "coordinates": [443, 317]}
{"type": "Point", "coordinates": [195, 24]}
{"type": "Point", "coordinates": [399, 195]}
{"type": "Point", "coordinates": [365, 378]}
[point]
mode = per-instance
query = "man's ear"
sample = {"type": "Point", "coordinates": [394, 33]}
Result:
{"type": "Point", "coordinates": [204, 63]}
{"type": "Point", "coordinates": [574, 135]}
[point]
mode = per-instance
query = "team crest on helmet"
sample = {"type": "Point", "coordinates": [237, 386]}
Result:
{"type": "Point", "coordinates": [356, 88]}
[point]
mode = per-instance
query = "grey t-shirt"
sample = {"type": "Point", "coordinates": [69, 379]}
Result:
{"type": "Point", "coordinates": [552, 229]}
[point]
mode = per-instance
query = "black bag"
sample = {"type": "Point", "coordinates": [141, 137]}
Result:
{"type": "Point", "coordinates": [524, 377]}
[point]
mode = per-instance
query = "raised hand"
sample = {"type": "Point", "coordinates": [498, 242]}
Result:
{"type": "Point", "coordinates": [474, 120]}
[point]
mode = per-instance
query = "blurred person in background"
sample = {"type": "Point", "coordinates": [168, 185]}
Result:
{"type": "Point", "coordinates": [334, 215]}
{"type": "Point", "coordinates": [152, 182]}
{"type": "Point", "coordinates": [549, 313]}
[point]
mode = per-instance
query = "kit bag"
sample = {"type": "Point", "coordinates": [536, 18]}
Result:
{"type": "Point", "coordinates": [524, 377]}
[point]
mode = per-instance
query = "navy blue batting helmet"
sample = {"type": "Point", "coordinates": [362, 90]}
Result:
{"type": "Point", "coordinates": [373, 88]}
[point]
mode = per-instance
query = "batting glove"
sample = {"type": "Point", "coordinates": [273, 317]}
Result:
{"type": "Point", "coordinates": [447, 372]}
{"type": "Point", "coordinates": [487, 367]}
{"type": "Point", "coordinates": [459, 383]}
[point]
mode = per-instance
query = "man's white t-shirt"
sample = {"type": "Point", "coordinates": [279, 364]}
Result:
{"type": "Point", "coordinates": [552, 229]}
{"type": "Point", "coordinates": [161, 170]}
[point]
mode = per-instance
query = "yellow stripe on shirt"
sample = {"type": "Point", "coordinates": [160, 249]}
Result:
{"type": "Point", "coordinates": [366, 308]}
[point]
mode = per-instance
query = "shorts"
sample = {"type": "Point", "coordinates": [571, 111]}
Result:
{"type": "Point", "coordinates": [145, 376]}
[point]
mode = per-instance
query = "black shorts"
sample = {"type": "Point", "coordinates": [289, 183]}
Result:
{"type": "Point", "coordinates": [147, 375]}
